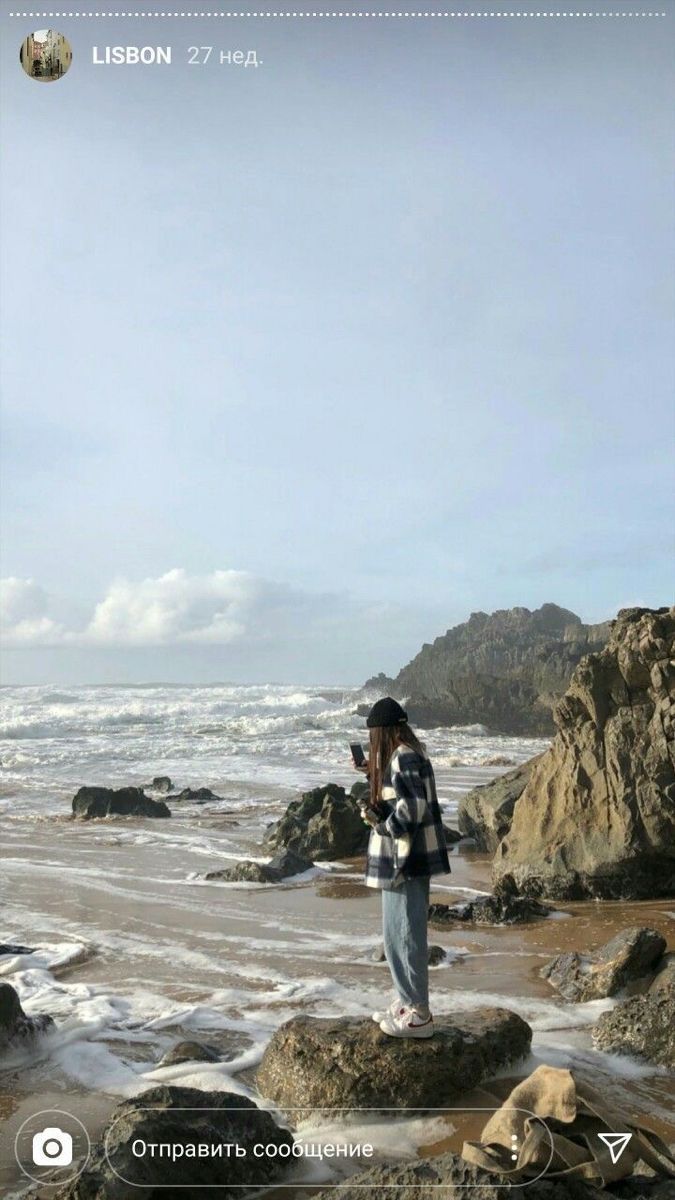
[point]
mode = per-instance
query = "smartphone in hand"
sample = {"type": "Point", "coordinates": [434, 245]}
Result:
{"type": "Point", "coordinates": [357, 754]}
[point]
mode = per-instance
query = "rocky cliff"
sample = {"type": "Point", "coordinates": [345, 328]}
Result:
{"type": "Point", "coordinates": [597, 816]}
{"type": "Point", "coordinates": [505, 670]}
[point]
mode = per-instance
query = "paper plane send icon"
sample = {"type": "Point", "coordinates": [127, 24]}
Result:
{"type": "Point", "coordinates": [616, 1143]}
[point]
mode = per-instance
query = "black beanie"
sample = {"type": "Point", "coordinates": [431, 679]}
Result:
{"type": "Point", "coordinates": [386, 712]}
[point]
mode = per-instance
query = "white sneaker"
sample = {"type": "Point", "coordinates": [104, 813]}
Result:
{"type": "Point", "coordinates": [396, 1009]}
{"type": "Point", "coordinates": [407, 1024]}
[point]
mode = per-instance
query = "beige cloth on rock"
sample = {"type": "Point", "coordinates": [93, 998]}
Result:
{"type": "Point", "coordinates": [551, 1102]}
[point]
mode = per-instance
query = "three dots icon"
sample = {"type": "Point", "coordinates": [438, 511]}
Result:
{"type": "Point", "coordinates": [514, 1147]}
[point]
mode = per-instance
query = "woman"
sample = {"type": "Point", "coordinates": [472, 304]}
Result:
{"type": "Point", "coordinates": [406, 847]}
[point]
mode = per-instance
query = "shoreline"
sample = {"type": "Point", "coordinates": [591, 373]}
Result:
{"type": "Point", "coordinates": [169, 956]}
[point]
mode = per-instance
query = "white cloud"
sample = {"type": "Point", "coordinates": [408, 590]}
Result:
{"type": "Point", "coordinates": [271, 628]}
{"type": "Point", "coordinates": [221, 624]}
{"type": "Point", "coordinates": [24, 616]}
{"type": "Point", "coordinates": [218, 609]}
{"type": "Point", "coordinates": [176, 607]}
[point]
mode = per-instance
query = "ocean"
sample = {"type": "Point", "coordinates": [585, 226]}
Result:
{"type": "Point", "coordinates": [271, 738]}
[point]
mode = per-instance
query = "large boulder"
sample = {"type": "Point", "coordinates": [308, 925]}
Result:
{"type": "Point", "coordinates": [485, 813]}
{"type": "Point", "coordinates": [597, 817]}
{"type": "Point", "coordinates": [642, 1026]}
{"type": "Point", "coordinates": [312, 1063]}
{"type": "Point", "coordinates": [323, 824]}
{"type": "Point", "coordinates": [450, 1177]}
{"type": "Point", "coordinates": [284, 865]}
{"type": "Point", "coordinates": [91, 802]}
{"type": "Point", "coordinates": [15, 1025]}
{"type": "Point", "coordinates": [631, 955]}
{"type": "Point", "coordinates": [185, 1117]}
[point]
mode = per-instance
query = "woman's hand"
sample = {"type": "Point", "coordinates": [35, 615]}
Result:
{"type": "Point", "coordinates": [364, 767]}
{"type": "Point", "coordinates": [369, 816]}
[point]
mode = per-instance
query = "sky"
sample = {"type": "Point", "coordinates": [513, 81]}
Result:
{"type": "Point", "coordinates": [304, 363]}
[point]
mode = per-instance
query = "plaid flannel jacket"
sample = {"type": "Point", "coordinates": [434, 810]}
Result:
{"type": "Point", "coordinates": [410, 840]}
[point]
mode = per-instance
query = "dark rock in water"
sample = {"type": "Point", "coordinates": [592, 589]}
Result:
{"type": "Point", "coordinates": [185, 1117]}
{"type": "Point", "coordinates": [643, 1026]}
{"type": "Point", "coordinates": [597, 817]}
{"type": "Point", "coordinates": [630, 955]}
{"type": "Point", "coordinates": [380, 683]}
{"type": "Point", "coordinates": [286, 863]}
{"type": "Point", "coordinates": [9, 948]}
{"type": "Point", "coordinates": [436, 955]}
{"type": "Point", "coordinates": [450, 1177]}
{"type": "Point", "coordinates": [489, 910]}
{"type": "Point", "coordinates": [189, 1052]}
{"type": "Point", "coordinates": [360, 790]}
{"type": "Point", "coordinates": [161, 783]}
{"type": "Point", "coordinates": [15, 1026]}
{"type": "Point", "coordinates": [282, 866]}
{"type": "Point", "coordinates": [451, 835]}
{"type": "Point", "coordinates": [323, 824]}
{"type": "Point", "coordinates": [504, 670]}
{"type": "Point", "coordinates": [245, 871]}
{"type": "Point", "coordinates": [312, 1063]}
{"type": "Point", "coordinates": [485, 813]}
{"type": "Point", "coordinates": [91, 802]}
{"type": "Point", "coordinates": [202, 795]}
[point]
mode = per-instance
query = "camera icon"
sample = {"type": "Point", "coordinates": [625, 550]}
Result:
{"type": "Point", "coordinates": [52, 1148]}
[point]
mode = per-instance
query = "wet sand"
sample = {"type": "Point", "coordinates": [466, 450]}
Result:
{"type": "Point", "coordinates": [167, 956]}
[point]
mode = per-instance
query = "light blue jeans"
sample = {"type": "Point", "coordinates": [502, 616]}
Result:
{"type": "Point", "coordinates": [404, 926]}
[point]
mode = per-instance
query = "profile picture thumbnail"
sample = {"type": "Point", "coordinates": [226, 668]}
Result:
{"type": "Point", "coordinates": [45, 55]}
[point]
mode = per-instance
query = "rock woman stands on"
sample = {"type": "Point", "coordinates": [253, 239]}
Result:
{"type": "Point", "coordinates": [406, 847]}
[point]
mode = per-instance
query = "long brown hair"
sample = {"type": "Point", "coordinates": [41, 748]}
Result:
{"type": "Point", "coordinates": [384, 740]}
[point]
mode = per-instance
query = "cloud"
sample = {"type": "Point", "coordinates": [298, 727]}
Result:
{"type": "Point", "coordinates": [219, 608]}
{"type": "Point", "coordinates": [176, 607]}
{"type": "Point", "coordinates": [24, 615]}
